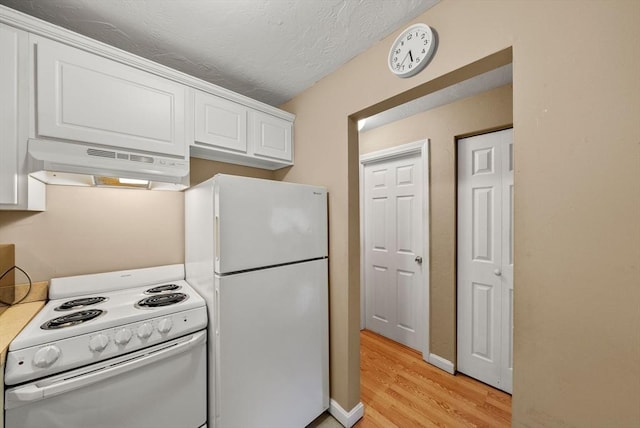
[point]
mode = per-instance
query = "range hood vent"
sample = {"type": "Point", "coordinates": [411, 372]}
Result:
{"type": "Point", "coordinates": [106, 154]}
{"type": "Point", "coordinates": [56, 162]}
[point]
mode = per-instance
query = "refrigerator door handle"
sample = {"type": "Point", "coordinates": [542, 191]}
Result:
{"type": "Point", "coordinates": [217, 306]}
{"type": "Point", "coordinates": [216, 232]}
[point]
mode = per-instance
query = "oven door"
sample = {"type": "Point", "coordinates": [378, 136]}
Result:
{"type": "Point", "coordinates": [163, 386]}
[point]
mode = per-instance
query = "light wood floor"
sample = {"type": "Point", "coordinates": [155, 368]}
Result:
{"type": "Point", "coordinates": [398, 389]}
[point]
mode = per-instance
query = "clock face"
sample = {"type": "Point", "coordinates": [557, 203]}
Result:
{"type": "Point", "coordinates": [411, 51]}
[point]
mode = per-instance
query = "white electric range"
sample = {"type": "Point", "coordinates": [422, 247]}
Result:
{"type": "Point", "coordinates": [124, 348]}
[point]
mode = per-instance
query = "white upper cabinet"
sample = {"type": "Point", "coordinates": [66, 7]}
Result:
{"type": "Point", "coordinates": [18, 191]}
{"type": "Point", "coordinates": [59, 87]}
{"type": "Point", "coordinates": [220, 123]}
{"type": "Point", "coordinates": [229, 131]}
{"type": "Point", "coordinates": [271, 136]}
{"type": "Point", "coordinates": [86, 97]}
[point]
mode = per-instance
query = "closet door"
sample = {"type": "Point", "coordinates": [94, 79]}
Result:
{"type": "Point", "coordinates": [485, 258]}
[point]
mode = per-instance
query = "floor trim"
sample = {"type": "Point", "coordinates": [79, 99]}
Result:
{"type": "Point", "coordinates": [347, 419]}
{"type": "Point", "coordinates": [441, 363]}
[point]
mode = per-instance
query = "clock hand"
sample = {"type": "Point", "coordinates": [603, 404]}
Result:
{"type": "Point", "coordinates": [410, 56]}
{"type": "Point", "coordinates": [405, 58]}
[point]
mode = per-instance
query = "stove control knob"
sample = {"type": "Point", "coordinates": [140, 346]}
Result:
{"type": "Point", "coordinates": [123, 336]}
{"type": "Point", "coordinates": [165, 325]}
{"type": "Point", "coordinates": [46, 356]}
{"type": "Point", "coordinates": [145, 330]}
{"type": "Point", "coordinates": [98, 342]}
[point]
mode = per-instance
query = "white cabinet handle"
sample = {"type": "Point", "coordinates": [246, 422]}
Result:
{"type": "Point", "coordinates": [497, 272]}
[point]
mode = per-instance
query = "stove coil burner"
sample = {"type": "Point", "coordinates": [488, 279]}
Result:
{"type": "Point", "coordinates": [163, 288]}
{"type": "Point", "coordinates": [80, 303]}
{"type": "Point", "coordinates": [161, 300]}
{"type": "Point", "coordinates": [72, 319]}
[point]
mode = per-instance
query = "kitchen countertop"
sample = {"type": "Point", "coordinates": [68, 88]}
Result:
{"type": "Point", "coordinates": [12, 321]}
{"type": "Point", "coordinates": [14, 318]}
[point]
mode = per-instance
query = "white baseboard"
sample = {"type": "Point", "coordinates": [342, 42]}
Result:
{"type": "Point", "coordinates": [347, 419]}
{"type": "Point", "coordinates": [441, 363]}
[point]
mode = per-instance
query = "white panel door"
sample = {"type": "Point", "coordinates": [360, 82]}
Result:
{"type": "Point", "coordinates": [393, 242]}
{"type": "Point", "coordinates": [485, 257]}
{"type": "Point", "coordinates": [85, 97]}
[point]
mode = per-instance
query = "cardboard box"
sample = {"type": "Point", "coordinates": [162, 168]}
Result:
{"type": "Point", "coordinates": [7, 284]}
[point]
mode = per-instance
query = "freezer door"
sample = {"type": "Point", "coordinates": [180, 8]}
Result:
{"type": "Point", "coordinates": [272, 358]}
{"type": "Point", "coordinates": [262, 223]}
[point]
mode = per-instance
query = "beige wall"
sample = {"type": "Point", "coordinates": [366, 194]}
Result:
{"type": "Point", "coordinates": [88, 230]}
{"type": "Point", "coordinates": [489, 110]}
{"type": "Point", "coordinates": [576, 103]}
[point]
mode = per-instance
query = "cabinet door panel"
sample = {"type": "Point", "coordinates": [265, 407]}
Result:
{"type": "Point", "coordinates": [9, 46]}
{"type": "Point", "coordinates": [85, 97]}
{"type": "Point", "coordinates": [272, 136]}
{"type": "Point", "coordinates": [220, 122]}
{"type": "Point", "coordinates": [18, 191]}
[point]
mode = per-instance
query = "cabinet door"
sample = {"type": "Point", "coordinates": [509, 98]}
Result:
{"type": "Point", "coordinates": [18, 191]}
{"type": "Point", "coordinates": [220, 122]}
{"type": "Point", "coordinates": [271, 136]}
{"type": "Point", "coordinates": [9, 99]}
{"type": "Point", "coordinates": [85, 97]}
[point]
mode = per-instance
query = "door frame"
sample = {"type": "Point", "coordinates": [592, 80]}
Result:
{"type": "Point", "coordinates": [421, 148]}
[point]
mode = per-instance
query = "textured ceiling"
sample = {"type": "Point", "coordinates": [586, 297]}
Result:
{"type": "Point", "coordinates": [269, 50]}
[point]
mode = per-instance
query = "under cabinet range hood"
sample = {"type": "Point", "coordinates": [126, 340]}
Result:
{"type": "Point", "coordinates": [57, 162]}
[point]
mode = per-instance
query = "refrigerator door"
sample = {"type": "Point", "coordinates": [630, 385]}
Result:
{"type": "Point", "coordinates": [272, 358]}
{"type": "Point", "coordinates": [260, 223]}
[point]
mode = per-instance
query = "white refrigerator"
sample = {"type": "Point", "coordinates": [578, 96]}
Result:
{"type": "Point", "coordinates": [256, 250]}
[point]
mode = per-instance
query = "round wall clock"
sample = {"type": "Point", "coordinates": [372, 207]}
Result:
{"type": "Point", "coordinates": [411, 50]}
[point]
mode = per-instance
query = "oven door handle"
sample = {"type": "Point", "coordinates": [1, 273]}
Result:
{"type": "Point", "coordinates": [40, 390]}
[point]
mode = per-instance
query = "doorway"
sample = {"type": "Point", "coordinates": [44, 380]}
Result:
{"type": "Point", "coordinates": [485, 258]}
{"type": "Point", "coordinates": [395, 245]}
{"type": "Point", "coordinates": [487, 109]}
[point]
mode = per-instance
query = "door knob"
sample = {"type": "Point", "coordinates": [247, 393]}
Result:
{"type": "Point", "coordinates": [497, 272]}
{"type": "Point", "coordinates": [418, 259]}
